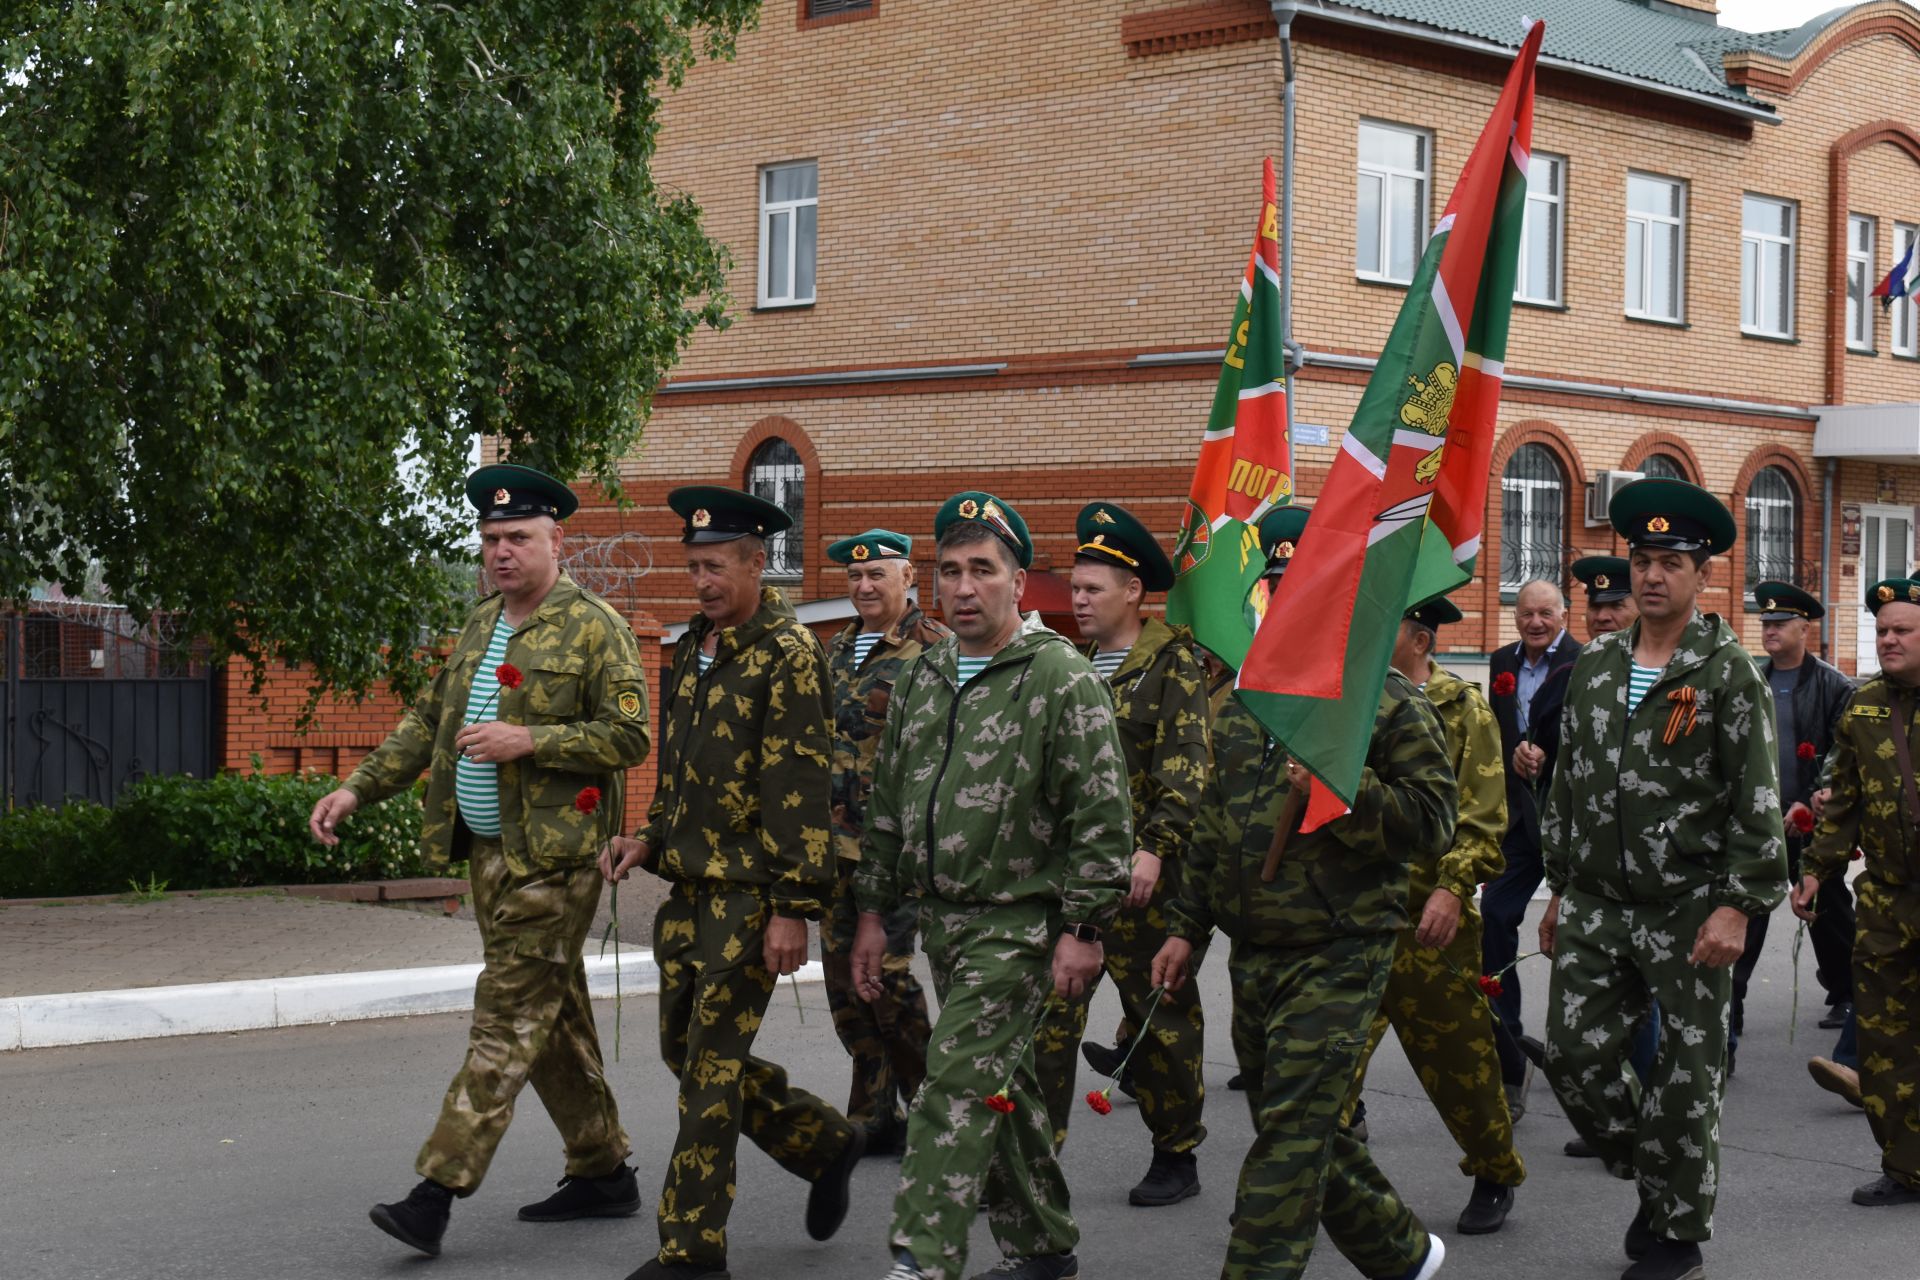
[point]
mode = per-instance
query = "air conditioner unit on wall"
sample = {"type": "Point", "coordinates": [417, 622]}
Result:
{"type": "Point", "coordinates": [1600, 493]}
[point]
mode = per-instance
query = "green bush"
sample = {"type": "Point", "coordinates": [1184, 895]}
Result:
{"type": "Point", "coordinates": [229, 831]}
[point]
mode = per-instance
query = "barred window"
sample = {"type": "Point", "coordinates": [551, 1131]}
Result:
{"type": "Point", "coordinates": [777, 474]}
{"type": "Point", "coordinates": [1533, 518]}
{"type": "Point", "coordinates": [1773, 522]}
{"type": "Point", "coordinates": [1663, 465]}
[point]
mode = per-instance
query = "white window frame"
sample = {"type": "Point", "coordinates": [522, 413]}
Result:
{"type": "Point", "coordinates": [1385, 174]}
{"type": "Point", "coordinates": [1757, 244]}
{"type": "Point", "coordinates": [1555, 203]}
{"type": "Point", "coordinates": [1860, 281]}
{"type": "Point", "coordinates": [1905, 327]}
{"type": "Point", "coordinates": [769, 209]}
{"type": "Point", "coordinates": [1647, 222]}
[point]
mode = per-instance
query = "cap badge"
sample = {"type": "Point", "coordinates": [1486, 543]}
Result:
{"type": "Point", "coordinates": [1601, 582]}
{"type": "Point", "coordinates": [700, 518]}
{"type": "Point", "coordinates": [1284, 550]}
{"type": "Point", "coordinates": [1913, 592]}
{"type": "Point", "coordinates": [860, 552]}
{"type": "Point", "coordinates": [502, 497]}
{"type": "Point", "coordinates": [1658, 525]}
{"type": "Point", "coordinates": [1099, 540]}
{"type": "Point", "coordinates": [1883, 594]}
{"type": "Point", "coordinates": [991, 511]}
{"type": "Point", "coordinates": [1773, 606]}
{"type": "Point", "coordinates": [969, 509]}
{"type": "Point", "coordinates": [1100, 516]}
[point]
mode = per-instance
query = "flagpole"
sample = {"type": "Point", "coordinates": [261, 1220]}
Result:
{"type": "Point", "coordinates": [1283, 11]}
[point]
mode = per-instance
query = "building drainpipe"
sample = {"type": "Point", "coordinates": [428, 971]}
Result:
{"type": "Point", "coordinates": [1283, 13]}
{"type": "Point", "coordinates": [1826, 557]}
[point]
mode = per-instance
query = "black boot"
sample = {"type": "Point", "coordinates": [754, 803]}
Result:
{"type": "Point", "coordinates": [1486, 1209]}
{"type": "Point", "coordinates": [1580, 1149]}
{"type": "Point", "coordinates": [827, 1202]}
{"type": "Point", "coordinates": [1050, 1266]}
{"type": "Point", "coordinates": [654, 1269]}
{"type": "Point", "coordinates": [887, 1136]}
{"type": "Point", "coordinates": [1237, 1081]}
{"type": "Point", "coordinates": [1106, 1060]}
{"type": "Point", "coordinates": [611, 1195]}
{"type": "Point", "coordinates": [1172, 1177]}
{"type": "Point", "coordinates": [1668, 1260]}
{"type": "Point", "coordinates": [1640, 1236]}
{"type": "Point", "coordinates": [419, 1220]}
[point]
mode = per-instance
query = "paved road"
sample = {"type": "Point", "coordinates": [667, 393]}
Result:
{"type": "Point", "coordinates": [256, 1155]}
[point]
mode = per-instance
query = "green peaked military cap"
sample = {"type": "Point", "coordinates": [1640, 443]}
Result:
{"type": "Point", "coordinates": [874, 544]}
{"type": "Point", "coordinates": [1110, 534]}
{"type": "Point", "coordinates": [997, 515]}
{"type": "Point", "coordinates": [716, 514]}
{"type": "Point", "coordinates": [1779, 601]}
{"type": "Point", "coordinates": [1889, 590]}
{"type": "Point", "coordinates": [1280, 531]}
{"type": "Point", "coordinates": [1606, 578]}
{"type": "Point", "coordinates": [1671, 515]}
{"type": "Point", "coordinates": [506, 491]}
{"type": "Point", "coordinates": [1435, 613]}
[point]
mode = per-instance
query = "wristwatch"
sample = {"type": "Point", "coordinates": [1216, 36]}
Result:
{"type": "Point", "coordinates": [1084, 932]}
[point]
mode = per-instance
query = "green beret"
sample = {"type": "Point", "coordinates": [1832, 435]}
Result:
{"type": "Point", "coordinates": [1435, 613]}
{"type": "Point", "coordinates": [1671, 515]}
{"type": "Point", "coordinates": [1109, 534]}
{"type": "Point", "coordinates": [1000, 519]}
{"type": "Point", "coordinates": [1606, 578]}
{"type": "Point", "coordinates": [1280, 531]}
{"type": "Point", "coordinates": [1778, 601]}
{"type": "Point", "coordinates": [504, 491]}
{"type": "Point", "coordinates": [716, 514]}
{"type": "Point", "coordinates": [868, 547]}
{"type": "Point", "coordinates": [1889, 590]}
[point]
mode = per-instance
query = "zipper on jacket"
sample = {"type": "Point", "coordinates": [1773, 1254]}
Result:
{"type": "Point", "coordinates": [946, 755]}
{"type": "Point", "coordinates": [686, 735]}
{"type": "Point", "coordinates": [1240, 852]}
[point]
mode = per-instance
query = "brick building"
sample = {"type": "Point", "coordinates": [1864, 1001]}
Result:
{"type": "Point", "coordinates": [998, 246]}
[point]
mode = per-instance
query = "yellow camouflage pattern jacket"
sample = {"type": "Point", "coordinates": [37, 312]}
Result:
{"type": "Point", "coordinates": [860, 695]}
{"type": "Point", "coordinates": [1161, 709]}
{"type": "Point", "coordinates": [745, 764]}
{"type": "Point", "coordinates": [1473, 748]}
{"type": "Point", "coordinates": [584, 698]}
{"type": "Point", "coordinates": [1866, 807]}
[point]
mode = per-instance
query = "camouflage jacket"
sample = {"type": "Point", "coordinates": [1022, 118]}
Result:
{"type": "Point", "coordinates": [1161, 710]}
{"type": "Point", "coordinates": [584, 699]}
{"type": "Point", "coordinates": [1680, 795]}
{"type": "Point", "coordinates": [860, 695]}
{"type": "Point", "coordinates": [1866, 809]}
{"type": "Point", "coordinates": [1013, 789]}
{"type": "Point", "coordinates": [1473, 749]}
{"type": "Point", "coordinates": [1347, 878]}
{"type": "Point", "coordinates": [745, 765]}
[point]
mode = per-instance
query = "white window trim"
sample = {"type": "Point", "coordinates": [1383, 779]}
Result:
{"type": "Point", "coordinates": [768, 209]}
{"type": "Point", "coordinates": [1762, 240]}
{"type": "Point", "coordinates": [1904, 315]}
{"type": "Point", "coordinates": [1766, 513]}
{"type": "Point", "coordinates": [1862, 260]}
{"type": "Point", "coordinates": [1386, 174]}
{"type": "Point", "coordinates": [1650, 220]}
{"type": "Point", "coordinates": [1558, 201]}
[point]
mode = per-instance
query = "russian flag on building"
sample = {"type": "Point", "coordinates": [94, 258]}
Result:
{"type": "Point", "coordinates": [1899, 281]}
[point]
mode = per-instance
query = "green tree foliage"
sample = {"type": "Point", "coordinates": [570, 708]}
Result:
{"type": "Point", "coordinates": [267, 266]}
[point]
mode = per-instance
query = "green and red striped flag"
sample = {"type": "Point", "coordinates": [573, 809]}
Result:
{"type": "Point", "coordinates": [1399, 520]}
{"type": "Point", "coordinates": [1246, 466]}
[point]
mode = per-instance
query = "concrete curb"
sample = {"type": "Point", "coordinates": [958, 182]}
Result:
{"type": "Point", "coordinates": [142, 1013]}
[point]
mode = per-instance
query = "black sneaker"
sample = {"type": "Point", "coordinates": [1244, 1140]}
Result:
{"type": "Point", "coordinates": [1106, 1060]}
{"type": "Point", "coordinates": [1580, 1149]}
{"type": "Point", "coordinates": [1486, 1210]}
{"type": "Point", "coordinates": [611, 1195]}
{"type": "Point", "coordinates": [1668, 1260]}
{"type": "Point", "coordinates": [1429, 1264]}
{"type": "Point", "coordinates": [1046, 1266]}
{"type": "Point", "coordinates": [1640, 1236]}
{"type": "Point", "coordinates": [827, 1202]}
{"type": "Point", "coordinates": [1883, 1190]}
{"type": "Point", "coordinates": [654, 1269]}
{"type": "Point", "coordinates": [419, 1220]}
{"type": "Point", "coordinates": [1172, 1177]}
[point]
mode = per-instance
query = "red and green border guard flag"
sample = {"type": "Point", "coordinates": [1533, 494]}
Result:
{"type": "Point", "coordinates": [1245, 467]}
{"type": "Point", "coordinates": [1399, 519]}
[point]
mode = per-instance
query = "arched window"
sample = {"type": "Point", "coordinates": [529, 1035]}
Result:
{"type": "Point", "coordinates": [1663, 465]}
{"type": "Point", "coordinates": [1773, 528]}
{"type": "Point", "coordinates": [776, 473]}
{"type": "Point", "coordinates": [1533, 518]}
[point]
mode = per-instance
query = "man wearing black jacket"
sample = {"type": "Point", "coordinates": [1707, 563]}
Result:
{"type": "Point", "coordinates": [1808, 697]}
{"type": "Point", "coordinates": [1529, 689]}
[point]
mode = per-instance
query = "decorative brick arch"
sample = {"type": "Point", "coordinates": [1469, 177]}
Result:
{"type": "Point", "coordinates": [1667, 442]}
{"type": "Point", "coordinates": [1774, 455]}
{"type": "Point", "coordinates": [1839, 159]}
{"type": "Point", "coordinates": [1533, 431]}
{"type": "Point", "coordinates": [812, 551]}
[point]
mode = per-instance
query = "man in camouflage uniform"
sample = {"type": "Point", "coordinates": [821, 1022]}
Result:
{"type": "Point", "coordinates": [1662, 836]}
{"type": "Point", "coordinates": [507, 762]}
{"type": "Point", "coordinates": [1875, 806]}
{"type": "Point", "coordinates": [1000, 803]}
{"type": "Point", "coordinates": [1313, 942]}
{"type": "Point", "coordinates": [1434, 1001]}
{"type": "Point", "coordinates": [886, 1038]}
{"type": "Point", "coordinates": [740, 827]}
{"type": "Point", "coordinates": [1160, 706]}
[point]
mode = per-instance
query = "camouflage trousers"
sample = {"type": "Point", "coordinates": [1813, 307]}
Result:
{"type": "Point", "coordinates": [714, 989]}
{"type": "Point", "coordinates": [1445, 1025]}
{"type": "Point", "coordinates": [993, 970]}
{"type": "Point", "coordinates": [1610, 960]}
{"type": "Point", "coordinates": [532, 1022]}
{"type": "Point", "coordinates": [1886, 1000]}
{"type": "Point", "coordinates": [886, 1039]}
{"type": "Point", "coordinates": [1167, 1070]}
{"type": "Point", "coordinates": [1300, 1022]}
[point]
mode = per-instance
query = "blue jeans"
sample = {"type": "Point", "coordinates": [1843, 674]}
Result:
{"type": "Point", "coordinates": [1846, 1050]}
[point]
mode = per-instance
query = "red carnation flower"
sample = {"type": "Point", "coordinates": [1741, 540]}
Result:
{"type": "Point", "coordinates": [588, 800]}
{"type": "Point", "coordinates": [1504, 684]}
{"type": "Point", "coordinates": [1800, 819]}
{"type": "Point", "coordinates": [1097, 1099]}
{"type": "Point", "coordinates": [1857, 855]}
{"type": "Point", "coordinates": [508, 675]}
{"type": "Point", "coordinates": [999, 1102]}
{"type": "Point", "coordinates": [1490, 985]}
{"type": "Point", "coordinates": [1804, 751]}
